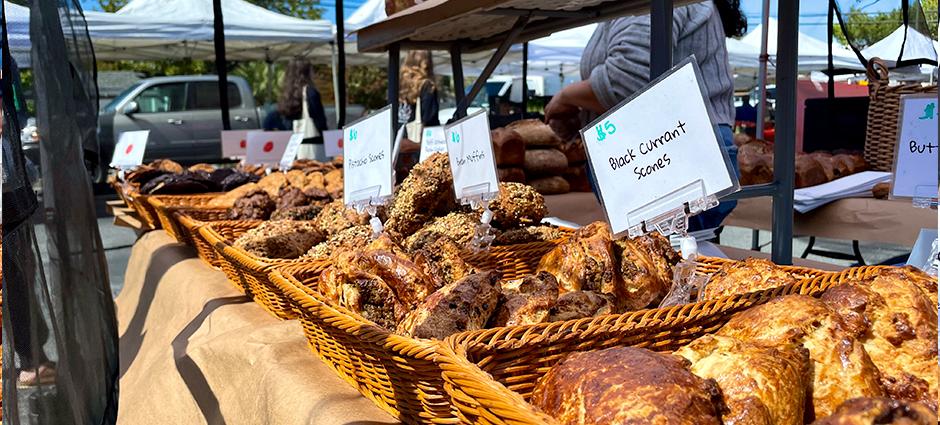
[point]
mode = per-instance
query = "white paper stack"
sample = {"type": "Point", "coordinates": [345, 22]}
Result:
{"type": "Point", "coordinates": [857, 185]}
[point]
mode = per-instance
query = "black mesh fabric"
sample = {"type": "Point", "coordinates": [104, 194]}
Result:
{"type": "Point", "coordinates": [58, 307]}
{"type": "Point", "coordinates": [912, 16]}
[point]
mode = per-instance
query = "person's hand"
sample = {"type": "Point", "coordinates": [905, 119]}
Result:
{"type": "Point", "coordinates": [562, 116]}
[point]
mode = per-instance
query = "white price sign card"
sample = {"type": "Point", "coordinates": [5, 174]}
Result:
{"type": "Point", "coordinates": [915, 160]}
{"type": "Point", "coordinates": [657, 151]}
{"type": "Point", "coordinates": [266, 147]}
{"type": "Point", "coordinates": [290, 152]}
{"type": "Point", "coordinates": [432, 141]}
{"type": "Point", "coordinates": [130, 149]}
{"type": "Point", "coordinates": [367, 154]}
{"type": "Point", "coordinates": [471, 156]}
{"type": "Point", "coordinates": [235, 143]}
{"type": "Point", "coordinates": [333, 142]}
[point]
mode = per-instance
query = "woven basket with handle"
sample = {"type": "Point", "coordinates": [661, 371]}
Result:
{"type": "Point", "coordinates": [490, 374]}
{"type": "Point", "coordinates": [167, 206]}
{"type": "Point", "coordinates": [884, 107]}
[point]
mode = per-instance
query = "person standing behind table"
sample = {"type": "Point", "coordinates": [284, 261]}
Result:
{"type": "Point", "coordinates": [300, 101]}
{"type": "Point", "coordinates": [418, 90]}
{"type": "Point", "coordinates": [417, 93]}
{"type": "Point", "coordinates": [616, 64]}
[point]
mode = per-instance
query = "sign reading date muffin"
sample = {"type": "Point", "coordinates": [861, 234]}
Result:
{"type": "Point", "coordinates": [367, 153]}
{"type": "Point", "coordinates": [471, 157]}
{"type": "Point", "coordinates": [657, 157]}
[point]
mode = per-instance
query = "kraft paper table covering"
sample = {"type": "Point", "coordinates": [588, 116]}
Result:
{"type": "Point", "coordinates": [865, 219]}
{"type": "Point", "coordinates": [194, 351]}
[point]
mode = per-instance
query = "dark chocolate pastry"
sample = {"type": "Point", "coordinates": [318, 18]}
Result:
{"type": "Point", "coordinates": [305, 212]}
{"type": "Point", "coordinates": [255, 205]}
{"type": "Point", "coordinates": [237, 179]}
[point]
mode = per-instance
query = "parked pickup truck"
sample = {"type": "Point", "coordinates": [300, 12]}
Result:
{"type": "Point", "coordinates": [182, 113]}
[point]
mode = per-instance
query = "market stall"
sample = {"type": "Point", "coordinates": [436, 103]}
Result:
{"type": "Point", "coordinates": [284, 290]}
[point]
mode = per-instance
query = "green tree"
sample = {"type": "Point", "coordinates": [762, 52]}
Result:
{"type": "Point", "coordinates": [367, 86]}
{"type": "Point", "coordinates": [305, 9]}
{"type": "Point", "coordinates": [868, 28]}
{"type": "Point", "coordinates": [112, 5]}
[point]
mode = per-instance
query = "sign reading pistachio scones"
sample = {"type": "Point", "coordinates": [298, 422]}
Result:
{"type": "Point", "coordinates": [367, 145]}
{"type": "Point", "coordinates": [657, 152]}
{"type": "Point", "coordinates": [471, 157]}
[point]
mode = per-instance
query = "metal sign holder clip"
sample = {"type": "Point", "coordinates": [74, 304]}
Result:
{"type": "Point", "coordinates": [480, 196]}
{"type": "Point", "coordinates": [368, 201]}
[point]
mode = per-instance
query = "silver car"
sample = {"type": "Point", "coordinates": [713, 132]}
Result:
{"type": "Point", "coordinates": [182, 113]}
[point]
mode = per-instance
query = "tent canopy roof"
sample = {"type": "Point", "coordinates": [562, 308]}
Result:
{"type": "Point", "coordinates": [917, 46]}
{"type": "Point", "coordinates": [161, 29]}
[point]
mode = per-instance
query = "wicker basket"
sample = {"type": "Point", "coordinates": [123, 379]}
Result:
{"type": "Point", "coordinates": [883, 110]}
{"type": "Point", "coordinates": [166, 207]}
{"type": "Point", "coordinates": [249, 272]}
{"type": "Point", "coordinates": [490, 374]}
{"type": "Point", "coordinates": [398, 373]}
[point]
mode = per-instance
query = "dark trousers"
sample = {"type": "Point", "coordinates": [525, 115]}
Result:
{"type": "Point", "coordinates": [21, 286]}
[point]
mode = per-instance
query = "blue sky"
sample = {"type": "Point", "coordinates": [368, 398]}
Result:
{"type": "Point", "coordinates": [812, 12]}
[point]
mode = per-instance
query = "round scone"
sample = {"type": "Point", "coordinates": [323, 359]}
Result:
{"type": "Point", "coordinates": [335, 217]}
{"type": "Point", "coordinates": [280, 239]}
{"type": "Point", "coordinates": [517, 205]}
{"type": "Point", "coordinates": [458, 227]}
{"type": "Point", "coordinates": [627, 385]}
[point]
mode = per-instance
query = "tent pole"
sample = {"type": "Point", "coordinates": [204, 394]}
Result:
{"type": "Point", "coordinates": [788, 13]}
{"type": "Point", "coordinates": [394, 58]}
{"type": "Point", "coordinates": [456, 63]}
{"type": "Point", "coordinates": [762, 71]}
{"type": "Point", "coordinates": [660, 37]}
{"type": "Point", "coordinates": [525, 78]}
{"type": "Point", "coordinates": [270, 80]}
{"type": "Point", "coordinates": [830, 67]}
{"type": "Point", "coordinates": [334, 64]}
{"type": "Point", "coordinates": [339, 71]}
{"type": "Point", "coordinates": [220, 65]}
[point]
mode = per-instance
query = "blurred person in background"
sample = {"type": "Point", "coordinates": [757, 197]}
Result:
{"type": "Point", "coordinates": [418, 90]}
{"type": "Point", "coordinates": [300, 101]}
{"type": "Point", "coordinates": [616, 64]}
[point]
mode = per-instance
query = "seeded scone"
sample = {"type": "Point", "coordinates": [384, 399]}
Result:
{"type": "Point", "coordinates": [280, 239]}
{"type": "Point", "coordinates": [528, 234]}
{"type": "Point", "coordinates": [335, 217]}
{"type": "Point", "coordinates": [351, 238]}
{"type": "Point", "coordinates": [303, 212]}
{"type": "Point", "coordinates": [254, 205]}
{"type": "Point", "coordinates": [427, 186]}
{"type": "Point", "coordinates": [458, 227]}
{"type": "Point", "coordinates": [517, 205]}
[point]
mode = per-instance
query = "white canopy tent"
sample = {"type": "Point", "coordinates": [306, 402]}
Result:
{"type": "Point", "coordinates": [917, 46]}
{"type": "Point", "coordinates": [162, 29]}
{"type": "Point", "coordinates": [17, 18]}
{"type": "Point", "coordinates": [813, 53]}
